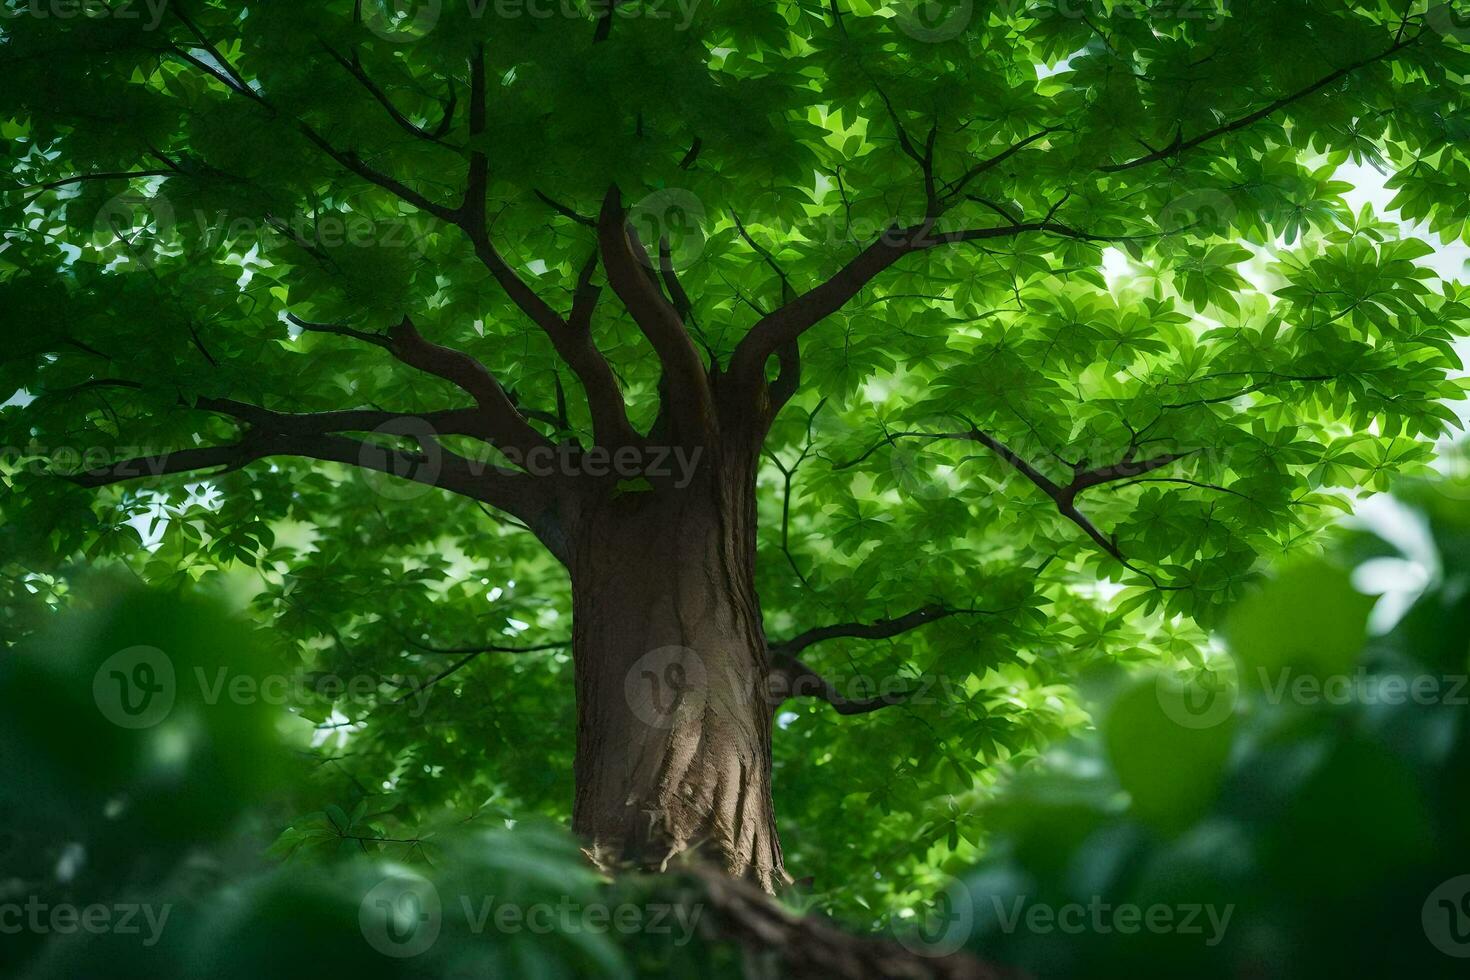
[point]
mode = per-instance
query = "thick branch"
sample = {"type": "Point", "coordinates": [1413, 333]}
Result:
{"type": "Point", "coordinates": [791, 320]}
{"type": "Point", "coordinates": [501, 421]}
{"type": "Point", "coordinates": [507, 426]}
{"type": "Point", "coordinates": [688, 384]}
{"type": "Point", "coordinates": [575, 347]}
{"type": "Point", "coordinates": [509, 491]}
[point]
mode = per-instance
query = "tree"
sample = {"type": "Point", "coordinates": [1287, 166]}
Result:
{"type": "Point", "coordinates": [709, 322]}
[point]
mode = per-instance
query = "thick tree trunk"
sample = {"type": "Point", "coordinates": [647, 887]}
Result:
{"type": "Point", "coordinates": [673, 711]}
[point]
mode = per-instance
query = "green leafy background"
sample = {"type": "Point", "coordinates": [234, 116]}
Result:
{"type": "Point", "coordinates": [1233, 307]}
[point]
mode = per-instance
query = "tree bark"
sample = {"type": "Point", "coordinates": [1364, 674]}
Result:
{"type": "Point", "coordinates": [673, 709]}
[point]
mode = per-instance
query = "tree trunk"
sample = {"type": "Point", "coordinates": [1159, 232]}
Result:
{"type": "Point", "coordinates": [673, 712]}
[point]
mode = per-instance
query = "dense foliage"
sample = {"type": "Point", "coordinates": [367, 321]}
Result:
{"type": "Point", "coordinates": [1140, 348]}
{"type": "Point", "coordinates": [1296, 806]}
{"type": "Point", "coordinates": [1292, 807]}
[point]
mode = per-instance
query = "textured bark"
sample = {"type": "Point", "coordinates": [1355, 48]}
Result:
{"type": "Point", "coordinates": [673, 711]}
{"type": "Point", "coordinates": [781, 944]}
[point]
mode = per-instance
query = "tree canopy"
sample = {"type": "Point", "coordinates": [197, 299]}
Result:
{"type": "Point", "coordinates": [1068, 327]}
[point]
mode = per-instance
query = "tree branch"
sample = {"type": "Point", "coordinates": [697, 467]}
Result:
{"type": "Point", "coordinates": [688, 385]}
{"type": "Point", "coordinates": [878, 630]}
{"type": "Point", "coordinates": [502, 422]}
{"type": "Point", "coordinates": [1064, 496]}
{"type": "Point", "coordinates": [470, 655]}
{"type": "Point", "coordinates": [1181, 145]}
{"type": "Point", "coordinates": [785, 324]}
{"type": "Point", "coordinates": [353, 67]}
{"type": "Point", "coordinates": [958, 187]}
{"type": "Point", "coordinates": [507, 490]}
{"type": "Point", "coordinates": [791, 320]}
{"type": "Point", "coordinates": [575, 347]}
{"type": "Point", "coordinates": [506, 425]}
{"type": "Point", "coordinates": [227, 75]}
{"type": "Point", "coordinates": [790, 677]}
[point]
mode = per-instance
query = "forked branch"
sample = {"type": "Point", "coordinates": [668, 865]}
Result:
{"type": "Point", "coordinates": [630, 273]}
